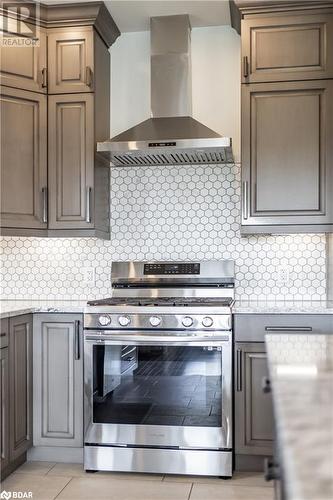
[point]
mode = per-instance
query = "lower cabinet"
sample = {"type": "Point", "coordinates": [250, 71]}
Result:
{"type": "Point", "coordinates": [58, 380]}
{"type": "Point", "coordinates": [254, 423]}
{"type": "Point", "coordinates": [16, 392]}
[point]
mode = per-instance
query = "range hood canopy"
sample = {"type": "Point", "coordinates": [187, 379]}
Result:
{"type": "Point", "coordinates": [171, 136]}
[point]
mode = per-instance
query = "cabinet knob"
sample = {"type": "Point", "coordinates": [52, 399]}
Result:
{"type": "Point", "coordinates": [266, 385]}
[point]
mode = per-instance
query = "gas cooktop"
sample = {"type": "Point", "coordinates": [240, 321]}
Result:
{"type": "Point", "coordinates": [164, 301]}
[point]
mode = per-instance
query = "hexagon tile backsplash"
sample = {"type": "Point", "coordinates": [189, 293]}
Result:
{"type": "Point", "coordinates": [167, 213]}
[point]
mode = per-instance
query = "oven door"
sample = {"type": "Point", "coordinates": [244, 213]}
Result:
{"type": "Point", "coordinates": [161, 390]}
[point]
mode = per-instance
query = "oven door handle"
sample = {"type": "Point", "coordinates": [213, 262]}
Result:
{"type": "Point", "coordinates": [98, 339]}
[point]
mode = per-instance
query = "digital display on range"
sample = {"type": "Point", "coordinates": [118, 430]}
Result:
{"type": "Point", "coordinates": [172, 268]}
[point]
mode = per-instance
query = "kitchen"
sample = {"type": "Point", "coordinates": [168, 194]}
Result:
{"type": "Point", "coordinates": [235, 229]}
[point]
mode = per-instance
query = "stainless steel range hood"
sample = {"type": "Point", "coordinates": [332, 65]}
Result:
{"type": "Point", "coordinates": [171, 136]}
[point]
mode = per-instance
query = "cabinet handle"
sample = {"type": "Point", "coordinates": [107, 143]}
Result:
{"type": "Point", "coordinates": [44, 195]}
{"type": "Point", "coordinates": [44, 78]}
{"type": "Point", "coordinates": [271, 470]}
{"type": "Point", "coordinates": [88, 205]}
{"type": "Point", "coordinates": [245, 200]}
{"type": "Point", "coordinates": [288, 328]}
{"type": "Point", "coordinates": [77, 340]}
{"type": "Point", "coordinates": [239, 370]}
{"type": "Point", "coordinates": [266, 385]}
{"type": "Point", "coordinates": [245, 66]}
{"type": "Point", "coordinates": [89, 76]}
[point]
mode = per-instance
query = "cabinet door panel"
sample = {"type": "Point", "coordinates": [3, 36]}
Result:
{"type": "Point", "coordinates": [20, 365]}
{"type": "Point", "coordinates": [4, 411]}
{"type": "Point", "coordinates": [58, 381]}
{"type": "Point", "coordinates": [23, 158]}
{"type": "Point", "coordinates": [71, 161]}
{"type": "Point", "coordinates": [253, 408]}
{"type": "Point", "coordinates": [22, 67]}
{"type": "Point", "coordinates": [288, 48]}
{"type": "Point", "coordinates": [287, 163]}
{"type": "Point", "coordinates": [71, 53]}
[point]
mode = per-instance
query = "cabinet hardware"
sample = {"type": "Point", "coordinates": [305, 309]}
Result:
{"type": "Point", "coordinates": [245, 66]}
{"type": "Point", "coordinates": [288, 328]}
{"type": "Point", "coordinates": [266, 385]}
{"type": "Point", "coordinates": [44, 78]}
{"type": "Point", "coordinates": [3, 334]}
{"type": "Point", "coordinates": [44, 195]}
{"type": "Point", "coordinates": [77, 340]}
{"type": "Point", "coordinates": [89, 76]}
{"type": "Point", "coordinates": [239, 370]}
{"type": "Point", "coordinates": [245, 200]}
{"type": "Point", "coordinates": [271, 470]}
{"type": "Point", "coordinates": [88, 205]}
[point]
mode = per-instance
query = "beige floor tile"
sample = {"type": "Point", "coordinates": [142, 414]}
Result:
{"type": "Point", "coordinates": [42, 487]}
{"type": "Point", "coordinates": [104, 487]}
{"type": "Point", "coordinates": [76, 470]}
{"type": "Point", "coordinates": [38, 468]}
{"type": "Point", "coordinates": [251, 479]}
{"type": "Point", "coordinates": [229, 492]}
{"type": "Point", "coordinates": [238, 479]}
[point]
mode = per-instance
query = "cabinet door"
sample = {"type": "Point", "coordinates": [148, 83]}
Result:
{"type": "Point", "coordinates": [253, 408]}
{"type": "Point", "coordinates": [23, 159]}
{"type": "Point", "coordinates": [20, 384]}
{"type": "Point", "coordinates": [284, 48]}
{"type": "Point", "coordinates": [71, 61]}
{"type": "Point", "coordinates": [58, 380]}
{"type": "Point", "coordinates": [287, 154]}
{"type": "Point", "coordinates": [24, 67]}
{"type": "Point", "coordinates": [4, 410]}
{"type": "Point", "coordinates": [71, 161]}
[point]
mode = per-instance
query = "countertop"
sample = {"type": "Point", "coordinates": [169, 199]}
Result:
{"type": "Point", "coordinates": [16, 307]}
{"type": "Point", "coordinates": [10, 308]}
{"type": "Point", "coordinates": [301, 374]}
{"type": "Point", "coordinates": [281, 307]}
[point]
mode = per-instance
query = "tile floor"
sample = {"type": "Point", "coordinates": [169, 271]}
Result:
{"type": "Point", "coordinates": [48, 481]}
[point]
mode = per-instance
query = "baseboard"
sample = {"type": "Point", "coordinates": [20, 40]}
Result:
{"type": "Point", "coordinates": [56, 454]}
{"type": "Point", "coordinates": [13, 466]}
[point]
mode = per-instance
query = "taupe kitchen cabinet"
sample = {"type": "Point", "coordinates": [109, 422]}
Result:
{"type": "Point", "coordinates": [71, 60]}
{"type": "Point", "coordinates": [287, 157]}
{"type": "Point", "coordinates": [58, 380]}
{"type": "Point", "coordinates": [23, 158]}
{"type": "Point", "coordinates": [71, 161]}
{"type": "Point", "coordinates": [254, 424]}
{"type": "Point", "coordinates": [20, 385]}
{"type": "Point", "coordinates": [25, 67]}
{"type": "Point", "coordinates": [4, 413]}
{"type": "Point", "coordinates": [286, 47]}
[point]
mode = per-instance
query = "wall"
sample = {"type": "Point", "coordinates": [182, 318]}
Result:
{"type": "Point", "coordinates": [175, 213]}
{"type": "Point", "coordinates": [180, 213]}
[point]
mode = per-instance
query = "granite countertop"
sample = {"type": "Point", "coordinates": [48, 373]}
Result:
{"type": "Point", "coordinates": [301, 374]}
{"type": "Point", "coordinates": [283, 307]}
{"type": "Point", "coordinates": [10, 308]}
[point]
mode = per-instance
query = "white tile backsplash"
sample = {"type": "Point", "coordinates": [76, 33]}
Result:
{"type": "Point", "coordinates": [167, 213]}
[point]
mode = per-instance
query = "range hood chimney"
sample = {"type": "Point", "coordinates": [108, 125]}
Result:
{"type": "Point", "coordinates": [171, 136]}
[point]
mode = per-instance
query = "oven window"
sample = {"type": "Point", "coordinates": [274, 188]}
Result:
{"type": "Point", "coordinates": [155, 385]}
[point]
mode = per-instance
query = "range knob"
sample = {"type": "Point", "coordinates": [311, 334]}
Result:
{"type": "Point", "coordinates": [155, 320]}
{"type": "Point", "coordinates": [207, 321]}
{"type": "Point", "coordinates": [104, 320]}
{"type": "Point", "coordinates": [187, 321]}
{"type": "Point", "coordinates": [124, 320]}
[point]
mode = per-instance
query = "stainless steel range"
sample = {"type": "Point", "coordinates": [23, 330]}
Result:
{"type": "Point", "coordinates": [158, 380]}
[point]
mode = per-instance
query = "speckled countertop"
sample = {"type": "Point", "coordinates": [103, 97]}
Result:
{"type": "Point", "coordinates": [283, 307]}
{"type": "Point", "coordinates": [10, 308]}
{"type": "Point", "coordinates": [301, 373]}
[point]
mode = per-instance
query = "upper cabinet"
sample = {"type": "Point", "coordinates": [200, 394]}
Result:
{"type": "Point", "coordinates": [72, 55]}
{"type": "Point", "coordinates": [283, 48]}
{"type": "Point", "coordinates": [287, 115]}
{"type": "Point", "coordinates": [52, 182]}
{"type": "Point", "coordinates": [287, 156]}
{"type": "Point", "coordinates": [25, 67]}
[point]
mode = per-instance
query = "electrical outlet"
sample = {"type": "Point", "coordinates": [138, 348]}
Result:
{"type": "Point", "coordinates": [89, 276]}
{"type": "Point", "coordinates": [284, 275]}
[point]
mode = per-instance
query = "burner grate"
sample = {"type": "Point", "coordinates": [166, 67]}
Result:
{"type": "Point", "coordinates": [163, 301]}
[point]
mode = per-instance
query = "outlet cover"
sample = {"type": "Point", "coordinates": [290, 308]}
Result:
{"type": "Point", "coordinates": [88, 276]}
{"type": "Point", "coordinates": [283, 275]}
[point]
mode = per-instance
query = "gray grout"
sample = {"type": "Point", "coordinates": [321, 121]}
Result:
{"type": "Point", "coordinates": [57, 495]}
{"type": "Point", "coordinates": [190, 493]}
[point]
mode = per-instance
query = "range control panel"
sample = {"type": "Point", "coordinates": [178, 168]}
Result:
{"type": "Point", "coordinates": [172, 268]}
